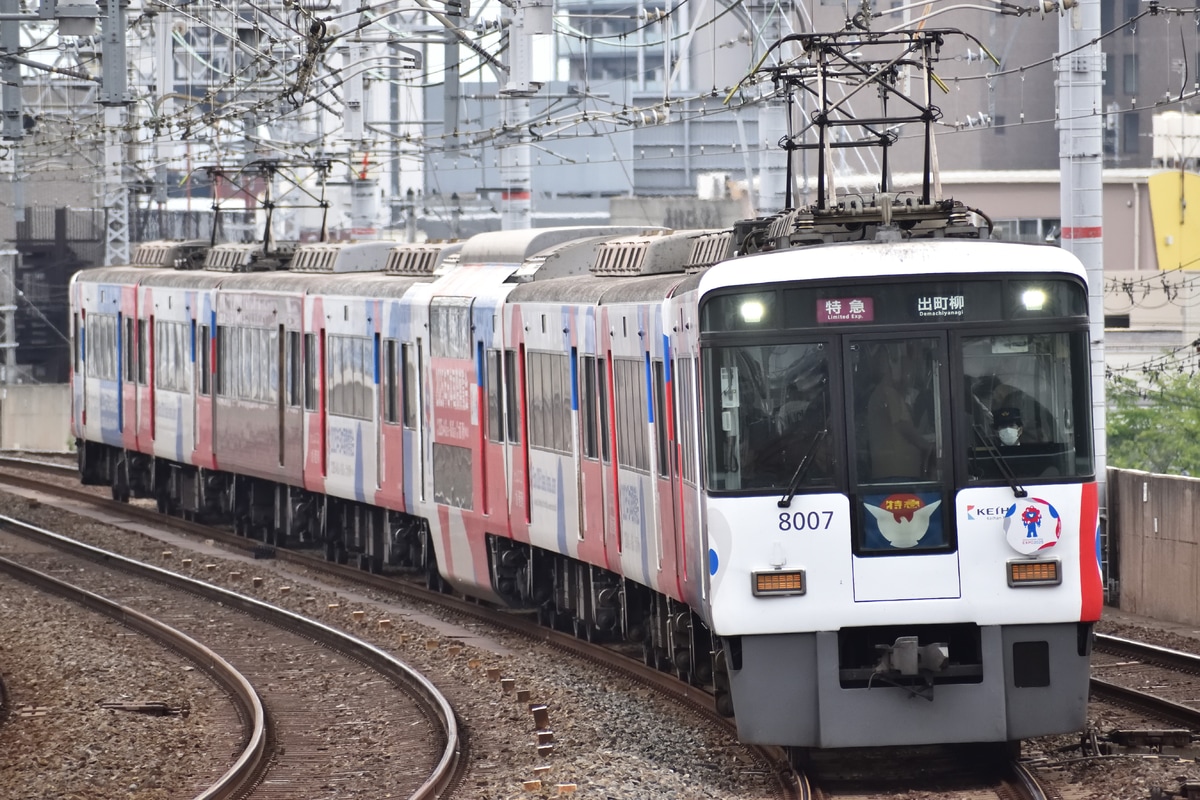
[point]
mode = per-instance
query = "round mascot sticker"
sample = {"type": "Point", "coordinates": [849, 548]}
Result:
{"type": "Point", "coordinates": [1032, 524]}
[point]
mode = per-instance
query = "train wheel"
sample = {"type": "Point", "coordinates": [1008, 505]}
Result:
{"type": "Point", "coordinates": [724, 702]}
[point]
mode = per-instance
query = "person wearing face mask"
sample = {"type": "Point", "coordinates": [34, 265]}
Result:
{"type": "Point", "coordinates": [1007, 422]}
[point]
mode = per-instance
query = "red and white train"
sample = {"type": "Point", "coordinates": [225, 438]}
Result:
{"type": "Point", "coordinates": [850, 486]}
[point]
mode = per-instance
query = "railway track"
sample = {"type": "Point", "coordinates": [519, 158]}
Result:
{"type": "Point", "coordinates": [59, 482]}
{"type": "Point", "coordinates": [950, 772]}
{"type": "Point", "coordinates": [1157, 681]}
{"type": "Point", "coordinates": [1011, 782]}
{"type": "Point", "coordinates": [281, 755]}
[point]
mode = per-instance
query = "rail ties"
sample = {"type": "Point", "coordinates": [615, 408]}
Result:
{"type": "Point", "coordinates": [285, 708]}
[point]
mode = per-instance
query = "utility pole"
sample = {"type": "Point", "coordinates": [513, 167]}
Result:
{"type": "Point", "coordinates": [529, 18]}
{"type": "Point", "coordinates": [114, 97]}
{"type": "Point", "coordinates": [1080, 66]}
{"type": "Point", "coordinates": [364, 188]}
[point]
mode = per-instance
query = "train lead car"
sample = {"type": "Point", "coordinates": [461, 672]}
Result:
{"type": "Point", "coordinates": [835, 464]}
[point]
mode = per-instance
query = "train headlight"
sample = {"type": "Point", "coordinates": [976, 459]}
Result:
{"type": "Point", "coordinates": [752, 311]}
{"type": "Point", "coordinates": [779, 582]}
{"type": "Point", "coordinates": [1033, 299]}
{"type": "Point", "coordinates": [1034, 573]}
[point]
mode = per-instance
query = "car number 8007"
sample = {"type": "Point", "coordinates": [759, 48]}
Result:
{"type": "Point", "coordinates": [805, 521]}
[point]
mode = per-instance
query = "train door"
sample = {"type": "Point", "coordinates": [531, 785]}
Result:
{"type": "Point", "coordinates": [315, 459]}
{"type": "Point", "coordinates": [670, 518]}
{"type": "Point", "coordinates": [203, 429]}
{"type": "Point", "coordinates": [592, 403]}
{"type": "Point", "coordinates": [502, 431]}
{"type": "Point", "coordinates": [898, 433]}
{"type": "Point", "coordinates": [78, 397]}
{"type": "Point", "coordinates": [281, 383]}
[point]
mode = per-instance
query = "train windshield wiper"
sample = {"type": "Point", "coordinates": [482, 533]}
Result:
{"type": "Point", "coordinates": [802, 469]}
{"type": "Point", "coordinates": [1002, 464]}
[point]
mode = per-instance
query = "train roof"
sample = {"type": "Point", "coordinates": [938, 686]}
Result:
{"type": "Point", "coordinates": [876, 259]}
{"type": "Point", "coordinates": [624, 255]}
{"type": "Point", "coordinates": [592, 289]}
{"type": "Point", "coordinates": [341, 257]}
{"type": "Point", "coordinates": [170, 253]}
{"type": "Point", "coordinates": [364, 285]}
{"type": "Point", "coordinates": [164, 277]}
{"type": "Point", "coordinates": [514, 247]}
{"type": "Point", "coordinates": [173, 279]}
{"type": "Point", "coordinates": [419, 258]}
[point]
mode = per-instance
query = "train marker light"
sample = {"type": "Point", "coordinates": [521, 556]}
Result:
{"type": "Point", "coordinates": [1034, 573]}
{"type": "Point", "coordinates": [779, 582]}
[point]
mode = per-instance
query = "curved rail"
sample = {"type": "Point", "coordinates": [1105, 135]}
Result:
{"type": "Point", "coordinates": [33, 465]}
{"type": "Point", "coordinates": [249, 707]}
{"type": "Point", "coordinates": [772, 760]}
{"type": "Point", "coordinates": [1028, 782]}
{"type": "Point", "coordinates": [1151, 654]}
{"type": "Point", "coordinates": [436, 706]}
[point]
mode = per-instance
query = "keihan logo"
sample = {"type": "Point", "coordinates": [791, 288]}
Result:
{"type": "Point", "coordinates": [1032, 525]}
{"type": "Point", "coordinates": [975, 512]}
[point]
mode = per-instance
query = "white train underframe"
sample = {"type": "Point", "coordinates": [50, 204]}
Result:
{"type": "Point", "coordinates": [567, 594]}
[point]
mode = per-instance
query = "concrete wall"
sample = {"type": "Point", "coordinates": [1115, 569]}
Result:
{"type": "Point", "coordinates": [36, 417]}
{"type": "Point", "coordinates": [1152, 524]}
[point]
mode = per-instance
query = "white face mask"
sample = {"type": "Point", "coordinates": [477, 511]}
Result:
{"type": "Point", "coordinates": [1009, 436]}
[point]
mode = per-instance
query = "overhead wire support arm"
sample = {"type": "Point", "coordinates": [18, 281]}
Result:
{"type": "Point", "coordinates": [842, 59]}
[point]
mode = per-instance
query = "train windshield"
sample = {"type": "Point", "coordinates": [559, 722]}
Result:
{"type": "Point", "coordinates": [899, 416]}
{"type": "Point", "coordinates": [769, 405]}
{"type": "Point", "coordinates": [1024, 395]}
{"type": "Point", "coordinates": [1018, 398]}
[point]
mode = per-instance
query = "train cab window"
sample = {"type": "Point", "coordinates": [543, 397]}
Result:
{"type": "Point", "coordinates": [769, 410]}
{"type": "Point", "coordinates": [1023, 394]}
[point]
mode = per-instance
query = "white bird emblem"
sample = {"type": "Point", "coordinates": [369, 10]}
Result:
{"type": "Point", "coordinates": [901, 532]}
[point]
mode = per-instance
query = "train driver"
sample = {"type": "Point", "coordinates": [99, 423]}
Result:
{"type": "Point", "coordinates": [1007, 422]}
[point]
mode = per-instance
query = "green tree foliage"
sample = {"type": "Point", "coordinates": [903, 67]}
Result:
{"type": "Point", "coordinates": [1156, 426]}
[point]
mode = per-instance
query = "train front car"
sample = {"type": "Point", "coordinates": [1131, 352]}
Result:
{"type": "Point", "coordinates": [901, 503]}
